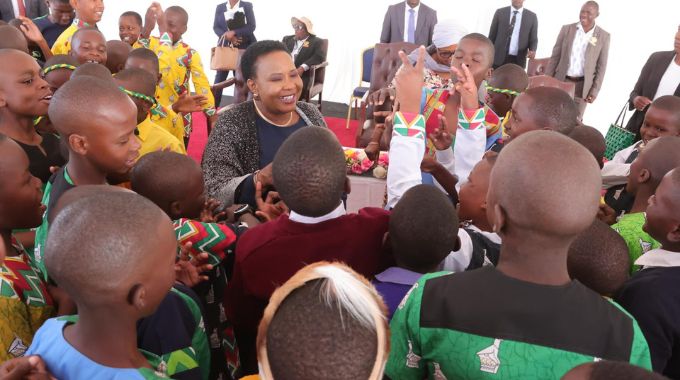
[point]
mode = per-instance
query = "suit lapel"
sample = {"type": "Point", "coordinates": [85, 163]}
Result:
{"type": "Point", "coordinates": [401, 9]}
{"type": "Point", "coordinates": [570, 42]}
{"type": "Point", "coordinates": [658, 71]}
{"type": "Point", "coordinates": [592, 50]}
{"type": "Point", "coordinates": [420, 22]}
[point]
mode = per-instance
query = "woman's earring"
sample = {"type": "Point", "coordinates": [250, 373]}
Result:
{"type": "Point", "coordinates": [256, 96]}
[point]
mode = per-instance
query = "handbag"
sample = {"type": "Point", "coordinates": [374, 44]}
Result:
{"type": "Point", "coordinates": [618, 137]}
{"type": "Point", "coordinates": [223, 58]}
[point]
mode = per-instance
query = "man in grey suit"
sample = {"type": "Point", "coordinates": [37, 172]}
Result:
{"type": "Point", "coordinates": [10, 9]}
{"type": "Point", "coordinates": [514, 32]}
{"type": "Point", "coordinates": [580, 55]}
{"type": "Point", "coordinates": [409, 21]}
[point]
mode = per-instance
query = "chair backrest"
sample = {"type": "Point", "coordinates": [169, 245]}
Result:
{"type": "Point", "coordinates": [321, 73]}
{"type": "Point", "coordinates": [546, 81]}
{"type": "Point", "coordinates": [537, 66]}
{"type": "Point", "coordinates": [386, 62]}
{"type": "Point", "coordinates": [367, 64]}
{"type": "Point", "coordinates": [241, 91]}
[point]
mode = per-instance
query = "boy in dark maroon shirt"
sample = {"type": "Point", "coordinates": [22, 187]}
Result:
{"type": "Point", "coordinates": [310, 175]}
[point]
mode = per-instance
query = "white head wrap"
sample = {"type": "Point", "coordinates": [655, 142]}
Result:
{"type": "Point", "coordinates": [447, 32]}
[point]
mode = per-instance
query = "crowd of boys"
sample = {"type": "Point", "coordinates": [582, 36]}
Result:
{"type": "Point", "coordinates": [514, 264]}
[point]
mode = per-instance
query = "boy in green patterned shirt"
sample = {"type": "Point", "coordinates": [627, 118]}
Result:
{"type": "Point", "coordinates": [660, 156]}
{"type": "Point", "coordinates": [525, 318]}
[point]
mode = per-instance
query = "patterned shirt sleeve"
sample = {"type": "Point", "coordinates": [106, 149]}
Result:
{"type": "Point", "coordinates": [217, 239]}
{"type": "Point", "coordinates": [201, 83]}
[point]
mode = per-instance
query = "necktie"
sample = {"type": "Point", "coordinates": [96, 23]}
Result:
{"type": "Point", "coordinates": [411, 26]}
{"type": "Point", "coordinates": [511, 28]}
{"type": "Point", "coordinates": [22, 8]}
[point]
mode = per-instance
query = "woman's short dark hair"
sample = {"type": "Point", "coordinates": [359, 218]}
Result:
{"type": "Point", "coordinates": [254, 52]}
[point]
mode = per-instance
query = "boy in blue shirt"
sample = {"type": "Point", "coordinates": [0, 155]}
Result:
{"type": "Point", "coordinates": [55, 23]}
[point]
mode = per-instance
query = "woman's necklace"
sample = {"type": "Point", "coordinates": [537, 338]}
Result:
{"type": "Point", "coordinates": [271, 122]}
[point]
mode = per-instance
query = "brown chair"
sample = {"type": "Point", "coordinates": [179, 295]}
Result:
{"type": "Point", "coordinates": [546, 81]}
{"type": "Point", "coordinates": [386, 62]}
{"type": "Point", "coordinates": [537, 66]}
{"type": "Point", "coordinates": [317, 74]}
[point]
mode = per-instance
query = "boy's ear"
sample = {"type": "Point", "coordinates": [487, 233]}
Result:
{"type": "Point", "coordinates": [499, 219]}
{"type": "Point", "coordinates": [160, 78]}
{"type": "Point", "coordinates": [674, 234]}
{"type": "Point", "coordinates": [175, 208]}
{"type": "Point", "coordinates": [488, 73]}
{"type": "Point", "coordinates": [74, 3]}
{"type": "Point", "coordinates": [644, 176]}
{"type": "Point", "coordinates": [3, 102]}
{"type": "Point", "coordinates": [137, 296]}
{"type": "Point", "coordinates": [483, 205]}
{"type": "Point", "coordinates": [78, 144]}
{"type": "Point", "coordinates": [348, 185]}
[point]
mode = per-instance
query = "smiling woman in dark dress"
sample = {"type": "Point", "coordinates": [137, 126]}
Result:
{"type": "Point", "coordinates": [246, 138]}
{"type": "Point", "coordinates": [24, 95]}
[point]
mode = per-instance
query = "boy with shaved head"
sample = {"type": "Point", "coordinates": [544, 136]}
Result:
{"type": "Point", "coordinates": [113, 291]}
{"type": "Point", "coordinates": [651, 295]}
{"type": "Point", "coordinates": [657, 158]}
{"type": "Point", "coordinates": [97, 122]}
{"type": "Point", "coordinates": [462, 325]}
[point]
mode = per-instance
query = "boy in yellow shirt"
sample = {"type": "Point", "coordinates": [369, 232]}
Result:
{"type": "Point", "coordinates": [140, 86]}
{"type": "Point", "coordinates": [88, 13]}
{"type": "Point", "coordinates": [180, 64]}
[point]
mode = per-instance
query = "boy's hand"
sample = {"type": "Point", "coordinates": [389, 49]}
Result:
{"type": "Point", "coordinates": [606, 214]}
{"type": "Point", "coordinates": [467, 88]}
{"type": "Point", "coordinates": [441, 138]}
{"type": "Point", "coordinates": [270, 209]}
{"type": "Point", "coordinates": [210, 213]}
{"type": "Point", "coordinates": [378, 97]}
{"type": "Point", "coordinates": [30, 30]}
{"type": "Point", "coordinates": [372, 150]}
{"type": "Point", "coordinates": [27, 367]}
{"type": "Point", "coordinates": [189, 103]}
{"type": "Point", "coordinates": [188, 269]}
{"type": "Point", "coordinates": [430, 164]}
{"type": "Point", "coordinates": [409, 82]}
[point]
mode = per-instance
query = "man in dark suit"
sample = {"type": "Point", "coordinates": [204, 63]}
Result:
{"type": "Point", "coordinates": [580, 55]}
{"type": "Point", "coordinates": [10, 9]}
{"type": "Point", "coordinates": [514, 32]}
{"type": "Point", "coordinates": [409, 21]}
{"type": "Point", "coordinates": [306, 48]}
{"type": "Point", "coordinates": [660, 76]}
{"type": "Point", "coordinates": [235, 21]}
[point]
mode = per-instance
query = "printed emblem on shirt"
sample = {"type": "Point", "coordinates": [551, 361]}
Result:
{"type": "Point", "coordinates": [646, 246]}
{"type": "Point", "coordinates": [412, 360]}
{"type": "Point", "coordinates": [488, 357]}
{"type": "Point", "coordinates": [438, 374]}
{"type": "Point", "coordinates": [17, 348]}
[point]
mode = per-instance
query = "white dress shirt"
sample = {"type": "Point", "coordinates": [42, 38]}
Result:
{"type": "Point", "coordinates": [231, 11]}
{"type": "Point", "coordinates": [15, 5]}
{"type": "Point", "coordinates": [669, 81]}
{"type": "Point", "coordinates": [659, 258]}
{"type": "Point", "coordinates": [577, 60]}
{"type": "Point", "coordinates": [406, 16]}
{"type": "Point", "coordinates": [338, 212]}
{"type": "Point", "coordinates": [296, 51]}
{"type": "Point", "coordinates": [514, 39]}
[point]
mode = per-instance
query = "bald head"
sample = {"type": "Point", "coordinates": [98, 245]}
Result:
{"type": "Point", "coordinates": [83, 99]}
{"type": "Point", "coordinates": [137, 80]}
{"type": "Point", "coordinates": [510, 77]}
{"type": "Point", "coordinates": [552, 108]}
{"type": "Point", "coordinates": [12, 38]}
{"type": "Point", "coordinates": [116, 55]}
{"type": "Point", "coordinates": [78, 192]}
{"type": "Point", "coordinates": [94, 70]}
{"type": "Point", "coordinates": [532, 182]}
{"type": "Point", "coordinates": [592, 140]}
{"type": "Point", "coordinates": [659, 157]}
{"type": "Point", "coordinates": [121, 229]}
{"type": "Point", "coordinates": [670, 104]}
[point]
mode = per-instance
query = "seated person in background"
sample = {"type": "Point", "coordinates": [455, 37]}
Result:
{"type": "Point", "coordinates": [56, 22]}
{"type": "Point", "coordinates": [461, 325]}
{"type": "Point", "coordinates": [598, 259]}
{"type": "Point", "coordinates": [305, 47]}
{"type": "Point", "coordinates": [130, 28]}
{"type": "Point", "coordinates": [662, 119]}
{"type": "Point", "coordinates": [113, 291]}
{"type": "Point", "coordinates": [651, 295]}
{"type": "Point", "coordinates": [116, 55]}
{"type": "Point", "coordinates": [342, 333]}
{"type": "Point", "coordinates": [317, 229]}
{"type": "Point", "coordinates": [88, 14]}
{"type": "Point", "coordinates": [168, 116]}
{"type": "Point", "coordinates": [592, 140]}
{"type": "Point", "coordinates": [98, 123]}
{"type": "Point", "coordinates": [658, 158]}
{"type": "Point", "coordinates": [25, 301]}
{"type": "Point", "coordinates": [610, 370]}
{"type": "Point", "coordinates": [141, 87]}
{"type": "Point", "coordinates": [24, 96]}
{"type": "Point", "coordinates": [88, 46]}
{"type": "Point", "coordinates": [423, 230]}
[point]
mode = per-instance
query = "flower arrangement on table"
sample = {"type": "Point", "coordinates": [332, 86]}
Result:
{"type": "Point", "coordinates": [359, 164]}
